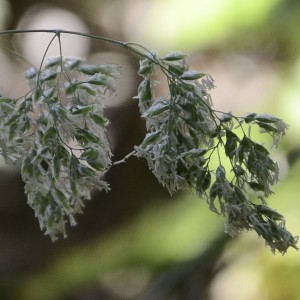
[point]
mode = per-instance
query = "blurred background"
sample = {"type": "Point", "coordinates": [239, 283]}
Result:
{"type": "Point", "coordinates": [137, 242]}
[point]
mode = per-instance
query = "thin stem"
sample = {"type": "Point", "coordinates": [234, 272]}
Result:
{"type": "Point", "coordinates": [58, 32]}
{"type": "Point", "coordinates": [124, 159]}
{"type": "Point", "coordinates": [44, 56]}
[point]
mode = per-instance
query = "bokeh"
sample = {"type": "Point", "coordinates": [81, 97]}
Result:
{"type": "Point", "coordinates": [137, 242]}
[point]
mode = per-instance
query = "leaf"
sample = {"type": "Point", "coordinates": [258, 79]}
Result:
{"type": "Point", "coordinates": [106, 69]}
{"type": "Point", "coordinates": [157, 108]}
{"type": "Point", "coordinates": [12, 120]}
{"type": "Point", "coordinates": [203, 181]}
{"type": "Point", "coordinates": [99, 120]}
{"type": "Point", "coordinates": [151, 137]}
{"type": "Point", "coordinates": [191, 75]}
{"type": "Point", "coordinates": [23, 106]}
{"type": "Point", "coordinates": [266, 118]}
{"type": "Point", "coordinates": [250, 117]}
{"type": "Point", "coordinates": [47, 74]}
{"type": "Point", "coordinates": [231, 143]}
{"type": "Point", "coordinates": [145, 94]}
{"type": "Point", "coordinates": [215, 191]}
{"type": "Point", "coordinates": [58, 110]}
{"type": "Point", "coordinates": [60, 198]}
{"type": "Point", "coordinates": [81, 109]}
{"type": "Point", "coordinates": [53, 61]}
{"type": "Point", "coordinates": [270, 213]}
{"type": "Point", "coordinates": [12, 131]}
{"type": "Point", "coordinates": [72, 63]}
{"type": "Point", "coordinates": [88, 88]}
{"type": "Point", "coordinates": [267, 127]}
{"type": "Point", "coordinates": [146, 67]}
{"type": "Point", "coordinates": [90, 154]}
{"type": "Point", "coordinates": [99, 79]}
{"type": "Point", "coordinates": [50, 135]}
{"type": "Point", "coordinates": [37, 93]}
{"type": "Point", "coordinates": [85, 137]}
{"type": "Point", "coordinates": [220, 173]}
{"type": "Point", "coordinates": [49, 92]}
{"type": "Point", "coordinates": [256, 186]}
{"type": "Point", "coordinates": [43, 120]}
{"type": "Point", "coordinates": [72, 86]}
{"type": "Point", "coordinates": [172, 124]}
{"type": "Point", "coordinates": [207, 181]}
{"type": "Point", "coordinates": [41, 203]}
{"type": "Point", "coordinates": [5, 100]}
{"type": "Point", "coordinates": [89, 69]}
{"type": "Point", "coordinates": [245, 147]}
{"type": "Point", "coordinates": [31, 73]}
{"type": "Point", "coordinates": [85, 172]}
{"type": "Point", "coordinates": [25, 124]}
{"type": "Point", "coordinates": [261, 149]}
{"type": "Point", "coordinates": [226, 118]}
{"type": "Point", "coordinates": [61, 157]}
{"type": "Point", "coordinates": [27, 167]}
{"type": "Point", "coordinates": [177, 69]}
{"type": "Point", "coordinates": [96, 164]}
{"type": "Point", "coordinates": [238, 171]}
{"type": "Point", "coordinates": [173, 56]}
{"type": "Point", "coordinates": [62, 153]}
{"type": "Point", "coordinates": [74, 166]}
{"type": "Point", "coordinates": [240, 194]}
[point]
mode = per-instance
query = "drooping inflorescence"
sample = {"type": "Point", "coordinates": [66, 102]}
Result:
{"type": "Point", "coordinates": [58, 133]}
{"type": "Point", "coordinates": [185, 135]}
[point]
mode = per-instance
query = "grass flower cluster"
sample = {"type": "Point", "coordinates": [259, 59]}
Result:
{"type": "Point", "coordinates": [58, 132]}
